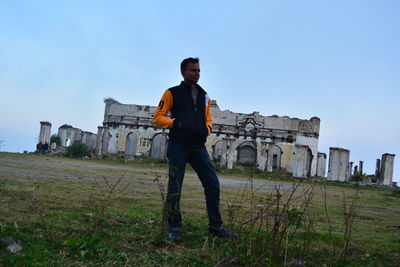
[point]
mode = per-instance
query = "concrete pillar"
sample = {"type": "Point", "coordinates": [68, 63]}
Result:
{"type": "Point", "coordinates": [224, 148]}
{"type": "Point", "coordinates": [99, 140]}
{"type": "Point", "coordinates": [338, 169]}
{"type": "Point", "coordinates": [262, 156]}
{"type": "Point", "coordinates": [232, 153]}
{"type": "Point", "coordinates": [378, 169]}
{"type": "Point", "coordinates": [361, 165]}
{"type": "Point", "coordinates": [270, 156]}
{"type": "Point", "coordinates": [387, 168]}
{"type": "Point", "coordinates": [45, 132]}
{"type": "Point", "coordinates": [350, 169]}
{"type": "Point", "coordinates": [76, 135]}
{"type": "Point", "coordinates": [300, 161]}
{"type": "Point", "coordinates": [164, 146]}
{"type": "Point", "coordinates": [104, 143]}
{"type": "Point", "coordinates": [355, 170]}
{"type": "Point", "coordinates": [321, 164]}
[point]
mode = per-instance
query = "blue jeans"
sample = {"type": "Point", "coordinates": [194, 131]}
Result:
{"type": "Point", "coordinates": [178, 156]}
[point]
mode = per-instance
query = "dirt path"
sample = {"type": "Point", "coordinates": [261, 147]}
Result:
{"type": "Point", "coordinates": [44, 167]}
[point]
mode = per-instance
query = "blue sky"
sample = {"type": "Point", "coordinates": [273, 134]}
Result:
{"type": "Point", "coordinates": [338, 60]}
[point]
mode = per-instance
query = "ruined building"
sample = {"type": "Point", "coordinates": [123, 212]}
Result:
{"type": "Point", "coordinates": [67, 134]}
{"type": "Point", "coordinates": [264, 141]}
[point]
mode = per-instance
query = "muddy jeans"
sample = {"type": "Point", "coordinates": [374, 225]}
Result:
{"type": "Point", "coordinates": [178, 156]}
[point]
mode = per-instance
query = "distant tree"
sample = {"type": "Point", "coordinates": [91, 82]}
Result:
{"type": "Point", "coordinates": [55, 139]}
{"type": "Point", "coordinates": [1, 143]}
{"type": "Point", "coordinates": [78, 150]}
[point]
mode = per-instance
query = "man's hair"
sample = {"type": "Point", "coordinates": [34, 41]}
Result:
{"type": "Point", "coordinates": [188, 60]}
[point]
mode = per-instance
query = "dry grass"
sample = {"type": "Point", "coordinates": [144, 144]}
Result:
{"type": "Point", "coordinates": [71, 196]}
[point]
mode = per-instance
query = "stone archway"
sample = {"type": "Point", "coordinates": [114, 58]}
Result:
{"type": "Point", "coordinates": [131, 144]}
{"type": "Point", "coordinates": [247, 153]}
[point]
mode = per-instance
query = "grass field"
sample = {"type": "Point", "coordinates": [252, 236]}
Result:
{"type": "Point", "coordinates": [68, 212]}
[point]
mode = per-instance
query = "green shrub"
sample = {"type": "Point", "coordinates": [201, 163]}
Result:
{"type": "Point", "coordinates": [78, 150]}
{"type": "Point", "coordinates": [55, 139]}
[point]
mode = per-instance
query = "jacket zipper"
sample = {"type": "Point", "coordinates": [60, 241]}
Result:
{"type": "Point", "coordinates": [195, 109]}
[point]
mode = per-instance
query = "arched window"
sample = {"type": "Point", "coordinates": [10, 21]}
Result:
{"type": "Point", "coordinates": [247, 153]}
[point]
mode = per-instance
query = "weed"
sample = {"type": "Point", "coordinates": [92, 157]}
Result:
{"type": "Point", "coordinates": [395, 191]}
{"type": "Point", "coordinates": [101, 196]}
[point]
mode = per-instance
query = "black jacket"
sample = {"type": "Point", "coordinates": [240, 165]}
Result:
{"type": "Point", "coordinates": [190, 126]}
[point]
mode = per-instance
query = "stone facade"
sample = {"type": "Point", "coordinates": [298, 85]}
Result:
{"type": "Point", "coordinates": [266, 142]}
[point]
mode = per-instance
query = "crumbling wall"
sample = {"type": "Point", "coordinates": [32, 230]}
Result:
{"type": "Point", "coordinates": [69, 134]}
{"type": "Point", "coordinates": [159, 146]}
{"type": "Point", "coordinates": [300, 161]}
{"type": "Point", "coordinates": [312, 143]}
{"type": "Point", "coordinates": [89, 139]}
{"type": "Point", "coordinates": [288, 152]}
{"type": "Point", "coordinates": [338, 164]}
{"type": "Point", "coordinates": [66, 133]}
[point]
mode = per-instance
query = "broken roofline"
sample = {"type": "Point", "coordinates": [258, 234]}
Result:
{"type": "Point", "coordinates": [339, 149]}
{"type": "Point", "coordinates": [110, 100]}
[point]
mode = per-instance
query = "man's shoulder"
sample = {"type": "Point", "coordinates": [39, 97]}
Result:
{"type": "Point", "coordinates": [174, 88]}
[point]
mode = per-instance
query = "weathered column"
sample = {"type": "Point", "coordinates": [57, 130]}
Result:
{"type": "Point", "coordinates": [321, 164]}
{"type": "Point", "coordinates": [387, 168]}
{"type": "Point", "coordinates": [262, 158]}
{"type": "Point", "coordinates": [361, 166]}
{"type": "Point", "coordinates": [350, 169]}
{"type": "Point", "coordinates": [45, 132]}
{"type": "Point", "coordinates": [231, 157]}
{"type": "Point", "coordinates": [224, 151]}
{"type": "Point", "coordinates": [378, 169]}
{"type": "Point", "coordinates": [338, 169]}
{"type": "Point", "coordinates": [355, 170]}
{"type": "Point", "coordinates": [300, 161]}
{"type": "Point", "coordinates": [104, 143]}
{"type": "Point", "coordinates": [270, 156]}
{"type": "Point", "coordinates": [99, 140]}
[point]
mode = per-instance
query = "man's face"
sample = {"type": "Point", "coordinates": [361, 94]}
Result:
{"type": "Point", "coordinates": [191, 74]}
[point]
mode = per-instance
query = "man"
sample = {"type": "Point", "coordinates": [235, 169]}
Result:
{"type": "Point", "coordinates": [189, 126]}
